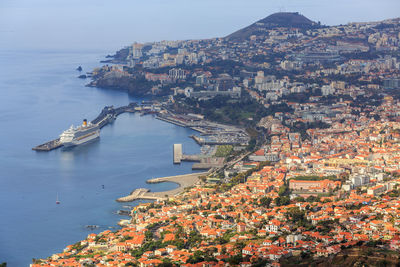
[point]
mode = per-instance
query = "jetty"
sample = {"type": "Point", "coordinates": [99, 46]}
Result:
{"type": "Point", "coordinates": [177, 153]}
{"type": "Point", "coordinates": [184, 181]}
{"type": "Point", "coordinates": [106, 116]}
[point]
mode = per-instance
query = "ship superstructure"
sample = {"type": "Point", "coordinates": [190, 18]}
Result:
{"type": "Point", "coordinates": [79, 135]}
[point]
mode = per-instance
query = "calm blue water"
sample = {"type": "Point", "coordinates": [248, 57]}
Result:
{"type": "Point", "coordinates": [40, 97]}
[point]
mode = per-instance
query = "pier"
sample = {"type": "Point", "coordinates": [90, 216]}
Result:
{"type": "Point", "coordinates": [184, 181]}
{"type": "Point", "coordinates": [177, 153]}
{"type": "Point", "coordinates": [203, 162]}
{"type": "Point", "coordinates": [53, 144]}
{"type": "Point", "coordinates": [106, 116]}
{"type": "Point", "coordinates": [135, 194]}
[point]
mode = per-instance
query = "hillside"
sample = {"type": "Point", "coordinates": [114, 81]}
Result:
{"type": "Point", "coordinates": [359, 255]}
{"type": "Point", "coordinates": [277, 20]}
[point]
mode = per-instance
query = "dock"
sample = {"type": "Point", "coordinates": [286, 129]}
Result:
{"type": "Point", "coordinates": [184, 181]}
{"type": "Point", "coordinates": [202, 161]}
{"type": "Point", "coordinates": [106, 116]}
{"type": "Point", "coordinates": [161, 118]}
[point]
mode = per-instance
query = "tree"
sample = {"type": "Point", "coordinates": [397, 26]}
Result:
{"type": "Point", "coordinates": [166, 263]}
{"type": "Point", "coordinates": [198, 256]}
{"type": "Point", "coordinates": [298, 217]}
{"type": "Point", "coordinates": [240, 245]}
{"type": "Point", "coordinates": [282, 201]}
{"type": "Point", "coordinates": [265, 202]}
{"type": "Point", "coordinates": [252, 144]}
{"type": "Point", "coordinates": [194, 239]}
{"type": "Point", "coordinates": [283, 190]}
{"type": "Point", "coordinates": [312, 199]}
{"type": "Point", "coordinates": [235, 260]}
{"type": "Point", "coordinates": [299, 199]}
{"type": "Point", "coordinates": [149, 235]}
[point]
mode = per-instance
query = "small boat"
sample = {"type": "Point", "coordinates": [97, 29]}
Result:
{"type": "Point", "coordinates": [92, 227]}
{"type": "Point", "coordinates": [57, 201]}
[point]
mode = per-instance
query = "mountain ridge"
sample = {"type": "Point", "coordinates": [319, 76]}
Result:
{"type": "Point", "coordinates": [276, 20]}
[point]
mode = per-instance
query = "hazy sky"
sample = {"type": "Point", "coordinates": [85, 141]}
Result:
{"type": "Point", "coordinates": [109, 25]}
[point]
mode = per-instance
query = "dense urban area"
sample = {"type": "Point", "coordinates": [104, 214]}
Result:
{"type": "Point", "coordinates": [300, 130]}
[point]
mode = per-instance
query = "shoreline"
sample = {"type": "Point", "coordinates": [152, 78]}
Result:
{"type": "Point", "coordinates": [184, 181]}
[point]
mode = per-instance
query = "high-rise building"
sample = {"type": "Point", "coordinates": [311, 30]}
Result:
{"type": "Point", "coordinates": [137, 50]}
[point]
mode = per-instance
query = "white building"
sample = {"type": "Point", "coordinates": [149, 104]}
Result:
{"type": "Point", "coordinates": [327, 90]}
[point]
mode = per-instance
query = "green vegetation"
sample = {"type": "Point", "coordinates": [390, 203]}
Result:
{"type": "Point", "coordinates": [199, 256]}
{"type": "Point", "coordinates": [226, 110]}
{"type": "Point", "coordinates": [235, 260]}
{"type": "Point", "coordinates": [265, 202]}
{"type": "Point", "coordinates": [149, 235]}
{"type": "Point", "coordinates": [252, 144]}
{"type": "Point", "coordinates": [79, 247]}
{"type": "Point", "coordinates": [260, 263]}
{"type": "Point", "coordinates": [283, 190]}
{"type": "Point", "coordinates": [226, 237]}
{"type": "Point", "coordinates": [362, 254]}
{"type": "Point", "coordinates": [194, 239]}
{"type": "Point", "coordinates": [299, 199]}
{"type": "Point", "coordinates": [312, 199]}
{"type": "Point", "coordinates": [244, 111]}
{"type": "Point", "coordinates": [78, 257]}
{"type": "Point", "coordinates": [224, 151]}
{"type": "Point", "coordinates": [166, 263]}
{"type": "Point", "coordinates": [282, 201]}
{"type": "Point", "coordinates": [315, 178]}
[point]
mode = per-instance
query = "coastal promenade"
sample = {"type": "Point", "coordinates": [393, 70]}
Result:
{"type": "Point", "coordinates": [184, 181]}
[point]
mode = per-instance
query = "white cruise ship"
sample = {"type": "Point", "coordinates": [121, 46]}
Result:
{"type": "Point", "coordinates": [79, 135]}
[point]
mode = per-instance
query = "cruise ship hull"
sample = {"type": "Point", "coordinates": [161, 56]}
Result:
{"type": "Point", "coordinates": [83, 140]}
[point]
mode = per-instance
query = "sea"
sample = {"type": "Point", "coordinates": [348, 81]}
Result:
{"type": "Point", "coordinates": [40, 97]}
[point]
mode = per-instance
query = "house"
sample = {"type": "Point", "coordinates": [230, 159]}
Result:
{"type": "Point", "coordinates": [395, 243]}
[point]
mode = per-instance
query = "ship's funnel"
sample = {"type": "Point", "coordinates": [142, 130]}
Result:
{"type": "Point", "coordinates": [85, 122]}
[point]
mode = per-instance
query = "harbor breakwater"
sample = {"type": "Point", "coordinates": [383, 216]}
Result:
{"type": "Point", "coordinates": [184, 181]}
